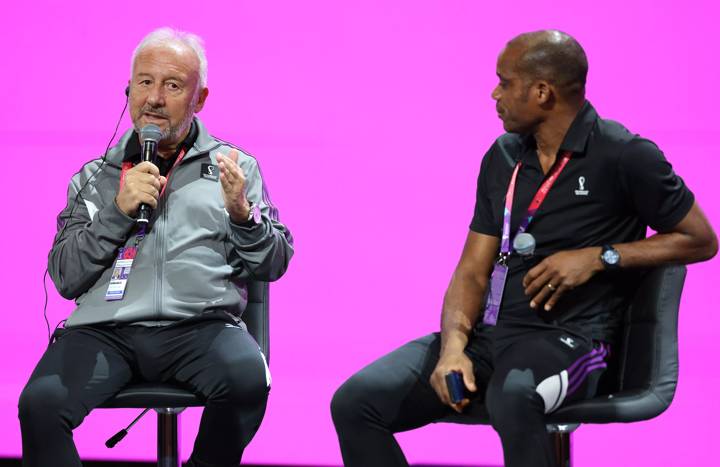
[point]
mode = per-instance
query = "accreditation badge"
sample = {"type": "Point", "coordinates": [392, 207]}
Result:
{"type": "Point", "coordinates": [120, 273]}
{"type": "Point", "coordinates": [495, 294]}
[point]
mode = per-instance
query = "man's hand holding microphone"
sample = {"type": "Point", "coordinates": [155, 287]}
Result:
{"type": "Point", "coordinates": [143, 184]}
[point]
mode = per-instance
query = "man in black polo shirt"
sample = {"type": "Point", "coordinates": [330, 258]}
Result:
{"type": "Point", "coordinates": [556, 242]}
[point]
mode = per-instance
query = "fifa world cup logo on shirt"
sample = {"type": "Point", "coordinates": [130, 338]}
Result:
{"type": "Point", "coordinates": [581, 191]}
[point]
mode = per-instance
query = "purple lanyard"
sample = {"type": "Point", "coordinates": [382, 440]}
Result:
{"type": "Point", "coordinates": [499, 273]}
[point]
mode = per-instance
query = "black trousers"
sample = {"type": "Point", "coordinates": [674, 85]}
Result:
{"type": "Point", "coordinates": [87, 365]}
{"type": "Point", "coordinates": [521, 376]}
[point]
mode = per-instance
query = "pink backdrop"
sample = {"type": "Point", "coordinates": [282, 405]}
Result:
{"type": "Point", "coordinates": [369, 119]}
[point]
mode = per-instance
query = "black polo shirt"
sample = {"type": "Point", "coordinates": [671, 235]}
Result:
{"type": "Point", "coordinates": [615, 185]}
{"type": "Point", "coordinates": [133, 150]}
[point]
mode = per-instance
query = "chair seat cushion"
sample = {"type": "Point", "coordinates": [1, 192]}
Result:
{"type": "Point", "coordinates": [625, 406]}
{"type": "Point", "coordinates": [153, 395]}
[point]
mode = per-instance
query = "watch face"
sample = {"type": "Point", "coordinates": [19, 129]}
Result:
{"type": "Point", "coordinates": [611, 257]}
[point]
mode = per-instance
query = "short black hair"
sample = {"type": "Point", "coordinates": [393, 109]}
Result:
{"type": "Point", "coordinates": [555, 57]}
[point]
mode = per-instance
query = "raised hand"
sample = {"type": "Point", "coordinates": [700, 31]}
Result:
{"type": "Point", "coordinates": [232, 180]}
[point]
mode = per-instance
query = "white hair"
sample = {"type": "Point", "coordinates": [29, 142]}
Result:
{"type": "Point", "coordinates": [174, 36]}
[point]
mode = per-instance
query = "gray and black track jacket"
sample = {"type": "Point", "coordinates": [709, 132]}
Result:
{"type": "Point", "coordinates": [193, 258]}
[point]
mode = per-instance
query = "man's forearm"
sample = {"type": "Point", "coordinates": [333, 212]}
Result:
{"type": "Point", "coordinates": [261, 252]}
{"type": "Point", "coordinates": [689, 241]}
{"type": "Point", "coordinates": [692, 240]}
{"type": "Point", "coordinates": [461, 309]}
{"type": "Point", "coordinates": [665, 248]}
{"type": "Point", "coordinates": [84, 249]}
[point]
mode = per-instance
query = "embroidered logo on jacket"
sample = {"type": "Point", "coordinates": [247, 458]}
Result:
{"type": "Point", "coordinates": [209, 172]}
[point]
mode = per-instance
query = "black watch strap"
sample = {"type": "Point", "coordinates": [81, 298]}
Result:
{"type": "Point", "coordinates": [610, 257]}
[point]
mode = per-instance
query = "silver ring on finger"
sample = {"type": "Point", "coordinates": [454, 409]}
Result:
{"type": "Point", "coordinates": [551, 287]}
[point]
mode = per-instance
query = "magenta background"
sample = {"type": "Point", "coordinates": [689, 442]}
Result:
{"type": "Point", "coordinates": [369, 119]}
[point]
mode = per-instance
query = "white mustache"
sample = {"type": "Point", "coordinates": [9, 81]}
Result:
{"type": "Point", "coordinates": [159, 113]}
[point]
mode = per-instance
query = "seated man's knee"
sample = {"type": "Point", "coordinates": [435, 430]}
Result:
{"type": "Point", "coordinates": [244, 382]}
{"type": "Point", "coordinates": [349, 402]}
{"type": "Point", "coordinates": [42, 399]}
{"type": "Point", "coordinates": [512, 399]}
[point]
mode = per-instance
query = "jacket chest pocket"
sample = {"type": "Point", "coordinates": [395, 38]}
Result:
{"type": "Point", "coordinates": [197, 207]}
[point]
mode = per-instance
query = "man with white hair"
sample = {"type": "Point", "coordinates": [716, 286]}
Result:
{"type": "Point", "coordinates": [160, 303]}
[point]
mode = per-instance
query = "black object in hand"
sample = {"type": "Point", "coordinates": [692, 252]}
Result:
{"type": "Point", "coordinates": [456, 387]}
{"type": "Point", "coordinates": [150, 135]}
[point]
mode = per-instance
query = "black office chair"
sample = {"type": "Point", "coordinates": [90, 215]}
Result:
{"type": "Point", "coordinates": [168, 401]}
{"type": "Point", "coordinates": [647, 366]}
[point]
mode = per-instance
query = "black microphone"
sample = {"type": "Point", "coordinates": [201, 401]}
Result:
{"type": "Point", "coordinates": [149, 135]}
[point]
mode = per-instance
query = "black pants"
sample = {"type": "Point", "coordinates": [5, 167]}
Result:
{"type": "Point", "coordinates": [520, 377]}
{"type": "Point", "coordinates": [87, 365]}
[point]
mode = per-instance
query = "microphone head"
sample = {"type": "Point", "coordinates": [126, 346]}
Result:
{"type": "Point", "coordinates": [150, 132]}
{"type": "Point", "coordinates": [524, 244]}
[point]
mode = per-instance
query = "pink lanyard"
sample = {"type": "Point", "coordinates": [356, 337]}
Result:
{"type": "Point", "coordinates": [129, 165]}
{"type": "Point", "coordinates": [500, 270]}
{"type": "Point", "coordinates": [534, 204]}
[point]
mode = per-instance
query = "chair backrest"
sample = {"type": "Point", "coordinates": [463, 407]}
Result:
{"type": "Point", "coordinates": [649, 353]}
{"type": "Point", "coordinates": [257, 314]}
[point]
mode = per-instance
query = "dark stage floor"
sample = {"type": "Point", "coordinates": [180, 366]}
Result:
{"type": "Point", "coordinates": [16, 463]}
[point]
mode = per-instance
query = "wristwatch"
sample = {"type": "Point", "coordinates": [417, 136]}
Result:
{"type": "Point", "coordinates": [254, 216]}
{"type": "Point", "coordinates": [610, 257]}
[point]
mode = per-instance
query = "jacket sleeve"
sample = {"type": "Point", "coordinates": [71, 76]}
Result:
{"type": "Point", "coordinates": [86, 243]}
{"type": "Point", "coordinates": [262, 251]}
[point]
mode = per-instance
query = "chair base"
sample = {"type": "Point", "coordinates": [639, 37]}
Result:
{"type": "Point", "coordinates": [560, 439]}
{"type": "Point", "coordinates": [168, 427]}
{"type": "Point", "coordinates": [561, 448]}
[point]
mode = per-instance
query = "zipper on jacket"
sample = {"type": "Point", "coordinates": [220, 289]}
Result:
{"type": "Point", "coordinates": [159, 255]}
{"type": "Point", "coordinates": [160, 264]}
{"type": "Point", "coordinates": [160, 244]}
